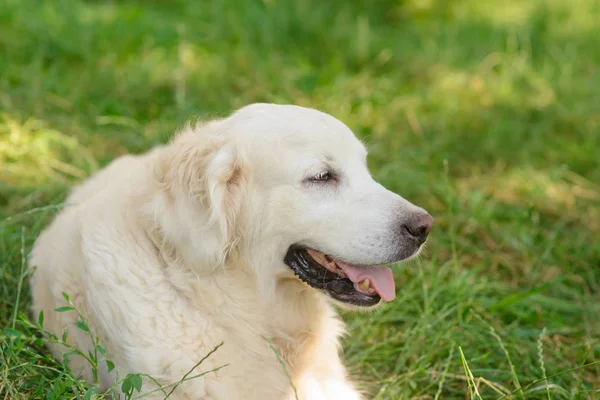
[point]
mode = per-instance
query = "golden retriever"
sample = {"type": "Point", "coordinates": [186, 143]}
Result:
{"type": "Point", "coordinates": [246, 230]}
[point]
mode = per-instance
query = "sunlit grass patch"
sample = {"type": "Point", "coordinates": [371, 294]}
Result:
{"type": "Point", "coordinates": [33, 153]}
{"type": "Point", "coordinates": [555, 192]}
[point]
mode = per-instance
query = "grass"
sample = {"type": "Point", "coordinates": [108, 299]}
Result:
{"type": "Point", "coordinates": [486, 113]}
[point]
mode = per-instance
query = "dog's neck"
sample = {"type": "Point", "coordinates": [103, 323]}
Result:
{"type": "Point", "coordinates": [297, 320]}
{"type": "Point", "coordinates": [237, 283]}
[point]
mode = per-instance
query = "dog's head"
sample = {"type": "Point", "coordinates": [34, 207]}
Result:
{"type": "Point", "coordinates": [284, 191]}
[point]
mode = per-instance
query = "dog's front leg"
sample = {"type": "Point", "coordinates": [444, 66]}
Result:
{"type": "Point", "coordinates": [311, 387]}
{"type": "Point", "coordinates": [340, 389]}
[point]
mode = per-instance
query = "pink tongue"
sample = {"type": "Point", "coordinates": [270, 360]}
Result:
{"type": "Point", "coordinates": [382, 279]}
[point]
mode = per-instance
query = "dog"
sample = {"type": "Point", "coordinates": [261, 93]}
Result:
{"type": "Point", "coordinates": [244, 231]}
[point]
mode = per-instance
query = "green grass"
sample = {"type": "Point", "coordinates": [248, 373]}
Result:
{"type": "Point", "coordinates": [486, 113]}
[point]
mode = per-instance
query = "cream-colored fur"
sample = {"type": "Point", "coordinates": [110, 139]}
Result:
{"type": "Point", "coordinates": [170, 253]}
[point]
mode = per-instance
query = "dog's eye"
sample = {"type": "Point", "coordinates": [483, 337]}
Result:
{"type": "Point", "coordinates": [322, 177]}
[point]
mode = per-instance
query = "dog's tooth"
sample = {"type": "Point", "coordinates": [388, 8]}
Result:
{"type": "Point", "coordinates": [333, 265]}
{"type": "Point", "coordinates": [322, 257]}
{"type": "Point", "coordinates": [365, 284]}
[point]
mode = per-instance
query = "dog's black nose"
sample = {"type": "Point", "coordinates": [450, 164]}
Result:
{"type": "Point", "coordinates": [418, 227]}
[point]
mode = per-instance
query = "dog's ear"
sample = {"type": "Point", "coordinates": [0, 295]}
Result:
{"type": "Point", "coordinates": [223, 185]}
{"type": "Point", "coordinates": [204, 179]}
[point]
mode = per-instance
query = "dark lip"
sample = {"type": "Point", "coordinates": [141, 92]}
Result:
{"type": "Point", "coordinates": [318, 277]}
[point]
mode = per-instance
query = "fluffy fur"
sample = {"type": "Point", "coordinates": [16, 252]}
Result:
{"type": "Point", "coordinates": [170, 253]}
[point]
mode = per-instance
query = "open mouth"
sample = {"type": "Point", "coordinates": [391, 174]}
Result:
{"type": "Point", "coordinates": [359, 285]}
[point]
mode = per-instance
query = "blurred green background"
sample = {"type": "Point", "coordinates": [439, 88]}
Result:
{"type": "Point", "coordinates": [484, 112]}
